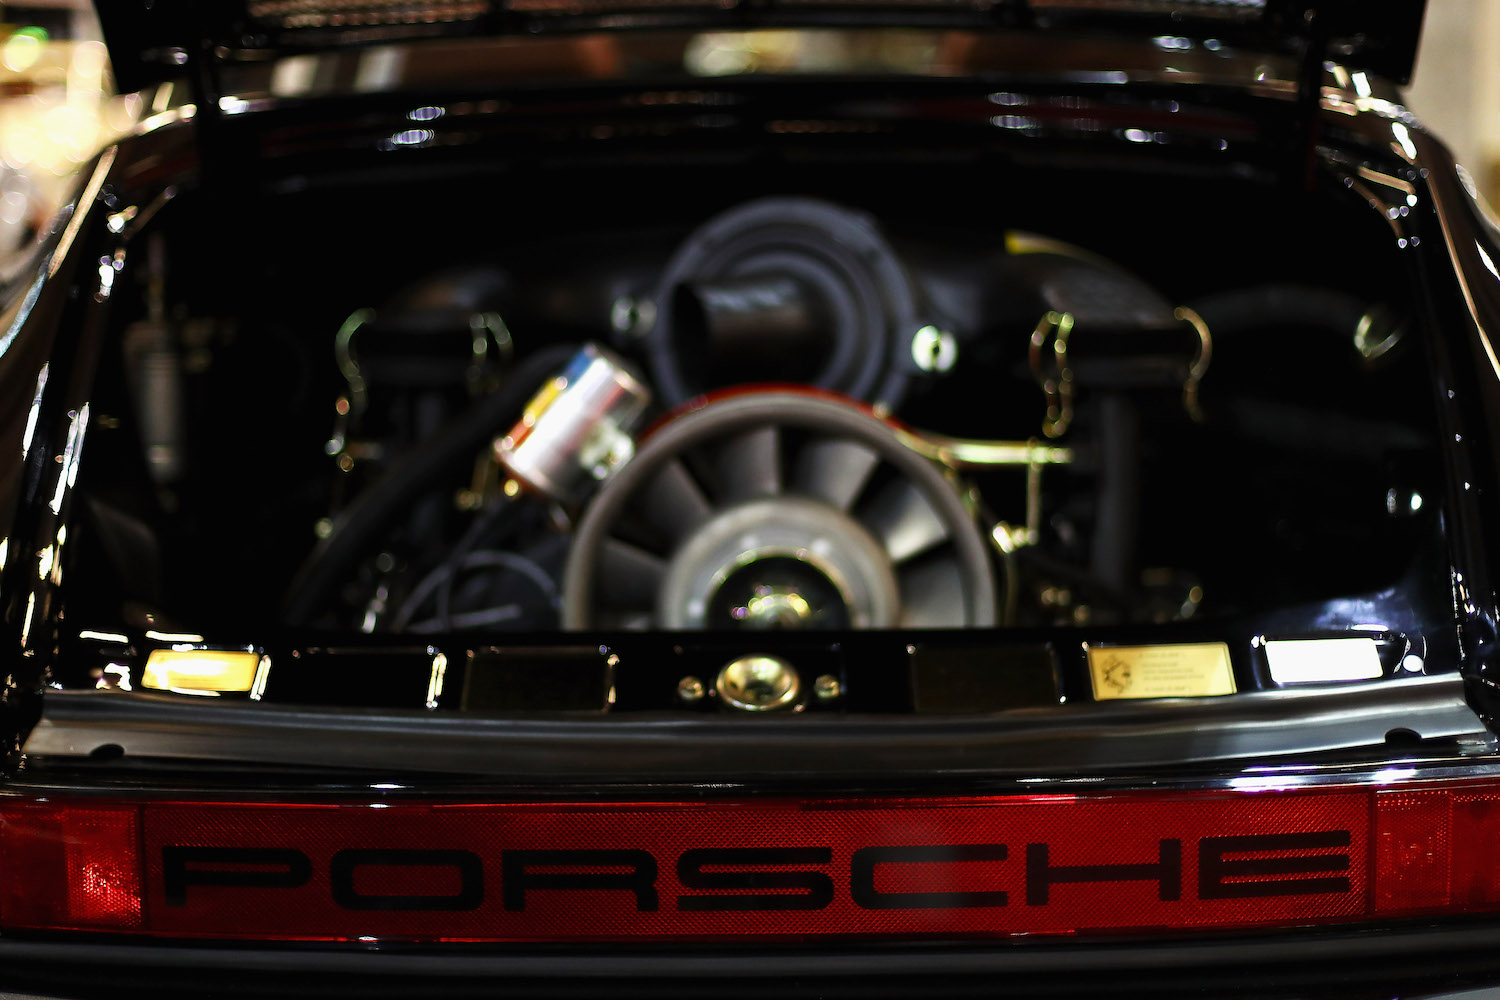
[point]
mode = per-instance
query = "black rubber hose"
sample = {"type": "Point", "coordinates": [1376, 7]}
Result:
{"type": "Point", "coordinates": [1282, 305]}
{"type": "Point", "coordinates": [1116, 534]}
{"type": "Point", "coordinates": [436, 459]}
{"type": "Point", "coordinates": [1033, 561]}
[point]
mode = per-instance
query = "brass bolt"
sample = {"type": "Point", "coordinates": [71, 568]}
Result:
{"type": "Point", "coordinates": [827, 687]}
{"type": "Point", "coordinates": [690, 690]}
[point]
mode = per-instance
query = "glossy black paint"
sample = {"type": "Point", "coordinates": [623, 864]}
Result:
{"type": "Point", "coordinates": [1471, 237]}
{"type": "Point", "coordinates": [48, 357]}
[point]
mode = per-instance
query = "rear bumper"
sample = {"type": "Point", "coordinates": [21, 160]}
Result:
{"type": "Point", "coordinates": [1419, 960]}
{"type": "Point", "coordinates": [1300, 738]}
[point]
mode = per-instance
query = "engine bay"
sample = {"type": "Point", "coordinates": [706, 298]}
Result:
{"type": "Point", "coordinates": [809, 414]}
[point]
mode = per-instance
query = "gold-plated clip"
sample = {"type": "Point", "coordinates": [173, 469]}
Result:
{"type": "Point", "coordinates": [1376, 333]}
{"type": "Point", "coordinates": [1056, 381]}
{"type": "Point", "coordinates": [1199, 366]}
{"type": "Point", "coordinates": [343, 351]}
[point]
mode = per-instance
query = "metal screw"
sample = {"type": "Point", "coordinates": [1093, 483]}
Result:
{"type": "Point", "coordinates": [632, 317]}
{"type": "Point", "coordinates": [690, 689]}
{"type": "Point", "coordinates": [934, 350]}
{"type": "Point", "coordinates": [827, 687]}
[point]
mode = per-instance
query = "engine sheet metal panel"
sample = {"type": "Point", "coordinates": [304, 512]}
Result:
{"type": "Point", "coordinates": [1111, 736]}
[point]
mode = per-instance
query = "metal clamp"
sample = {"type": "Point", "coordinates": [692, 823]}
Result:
{"type": "Point", "coordinates": [1376, 333]}
{"type": "Point", "coordinates": [485, 328]}
{"type": "Point", "coordinates": [1056, 382]}
{"type": "Point", "coordinates": [343, 351]}
{"type": "Point", "coordinates": [1199, 366]}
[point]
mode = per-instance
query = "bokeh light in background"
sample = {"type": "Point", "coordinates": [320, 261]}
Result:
{"type": "Point", "coordinates": [724, 53]}
{"type": "Point", "coordinates": [57, 108]}
{"type": "Point", "coordinates": [1457, 87]}
{"type": "Point", "coordinates": [22, 49]}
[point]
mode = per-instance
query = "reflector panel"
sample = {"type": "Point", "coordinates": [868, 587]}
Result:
{"type": "Point", "coordinates": [716, 870]}
{"type": "Point", "coordinates": [73, 867]}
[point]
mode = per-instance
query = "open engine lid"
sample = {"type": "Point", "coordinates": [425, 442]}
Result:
{"type": "Point", "coordinates": [154, 40]}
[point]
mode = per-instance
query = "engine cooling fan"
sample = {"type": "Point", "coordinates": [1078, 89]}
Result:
{"type": "Point", "coordinates": [778, 508]}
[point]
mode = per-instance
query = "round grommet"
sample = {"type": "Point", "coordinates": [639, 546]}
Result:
{"type": "Point", "coordinates": [758, 683]}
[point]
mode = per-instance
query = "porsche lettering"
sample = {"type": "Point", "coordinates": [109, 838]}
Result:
{"type": "Point", "coordinates": [775, 878]}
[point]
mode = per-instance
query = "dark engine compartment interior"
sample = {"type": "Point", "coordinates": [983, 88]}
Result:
{"type": "Point", "coordinates": [318, 421]}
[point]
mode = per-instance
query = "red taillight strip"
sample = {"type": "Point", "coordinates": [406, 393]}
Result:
{"type": "Point", "coordinates": [732, 870]}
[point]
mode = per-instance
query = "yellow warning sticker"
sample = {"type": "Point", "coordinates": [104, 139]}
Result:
{"type": "Point", "coordinates": [1183, 670]}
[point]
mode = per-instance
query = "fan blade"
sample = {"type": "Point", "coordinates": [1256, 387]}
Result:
{"type": "Point", "coordinates": [749, 465]}
{"type": "Point", "coordinates": [672, 503]}
{"type": "Point", "coordinates": [834, 470]}
{"type": "Point", "coordinates": [629, 577]}
{"type": "Point", "coordinates": [932, 594]}
{"type": "Point", "coordinates": [900, 516]}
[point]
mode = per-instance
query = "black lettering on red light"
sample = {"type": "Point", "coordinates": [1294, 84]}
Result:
{"type": "Point", "coordinates": [862, 877]}
{"type": "Point", "coordinates": [1214, 867]}
{"type": "Point", "coordinates": [517, 876]}
{"type": "Point", "coordinates": [817, 887]}
{"type": "Point", "coordinates": [247, 867]}
{"type": "Point", "coordinates": [1166, 872]}
{"type": "Point", "coordinates": [470, 871]}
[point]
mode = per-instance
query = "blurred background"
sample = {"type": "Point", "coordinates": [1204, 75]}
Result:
{"type": "Point", "coordinates": [1457, 87]}
{"type": "Point", "coordinates": [58, 106]}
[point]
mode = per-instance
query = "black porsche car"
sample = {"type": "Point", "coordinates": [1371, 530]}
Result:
{"type": "Point", "coordinates": [623, 497]}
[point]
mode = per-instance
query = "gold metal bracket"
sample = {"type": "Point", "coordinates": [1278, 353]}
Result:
{"type": "Point", "coordinates": [1199, 366]}
{"type": "Point", "coordinates": [974, 453]}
